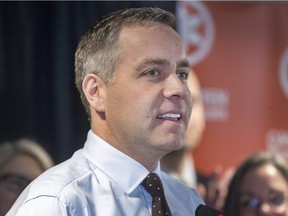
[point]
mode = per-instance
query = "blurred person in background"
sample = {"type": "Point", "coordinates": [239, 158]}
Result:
{"type": "Point", "coordinates": [21, 161]}
{"type": "Point", "coordinates": [259, 187]}
{"type": "Point", "coordinates": [180, 164]}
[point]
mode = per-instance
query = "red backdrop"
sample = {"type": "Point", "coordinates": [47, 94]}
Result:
{"type": "Point", "coordinates": [240, 53]}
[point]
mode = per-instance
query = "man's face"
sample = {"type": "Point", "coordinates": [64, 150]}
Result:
{"type": "Point", "coordinates": [149, 104]}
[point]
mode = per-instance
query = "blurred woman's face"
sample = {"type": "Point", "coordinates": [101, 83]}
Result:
{"type": "Point", "coordinates": [264, 191]}
{"type": "Point", "coordinates": [15, 175]}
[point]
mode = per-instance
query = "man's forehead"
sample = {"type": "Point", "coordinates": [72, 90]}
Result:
{"type": "Point", "coordinates": [152, 49]}
{"type": "Point", "coordinates": [145, 27]}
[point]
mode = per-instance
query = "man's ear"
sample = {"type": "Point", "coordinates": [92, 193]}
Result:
{"type": "Point", "coordinates": [94, 89]}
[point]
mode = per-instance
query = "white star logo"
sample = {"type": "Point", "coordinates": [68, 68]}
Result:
{"type": "Point", "coordinates": [196, 28]}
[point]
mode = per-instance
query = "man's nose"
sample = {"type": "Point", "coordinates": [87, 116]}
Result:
{"type": "Point", "coordinates": [175, 87]}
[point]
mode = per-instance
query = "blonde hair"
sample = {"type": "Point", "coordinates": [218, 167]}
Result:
{"type": "Point", "coordinates": [9, 150]}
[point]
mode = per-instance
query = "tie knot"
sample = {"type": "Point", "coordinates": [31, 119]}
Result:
{"type": "Point", "coordinates": [152, 183]}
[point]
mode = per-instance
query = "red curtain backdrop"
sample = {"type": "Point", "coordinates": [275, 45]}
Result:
{"type": "Point", "coordinates": [240, 53]}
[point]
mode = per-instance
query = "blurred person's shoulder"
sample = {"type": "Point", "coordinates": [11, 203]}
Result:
{"type": "Point", "coordinates": [177, 188]}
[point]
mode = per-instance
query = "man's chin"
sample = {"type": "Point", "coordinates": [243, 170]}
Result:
{"type": "Point", "coordinates": [176, 147]}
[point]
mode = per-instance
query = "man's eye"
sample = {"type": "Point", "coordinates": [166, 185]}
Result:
{"type": "Point", "coordinates": [152, 73]}
{"type": "Point", "coordinates": [182, 75]}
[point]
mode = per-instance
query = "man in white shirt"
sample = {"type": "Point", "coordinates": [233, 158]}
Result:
{"type": "Point", "coordinates": [131, 71]}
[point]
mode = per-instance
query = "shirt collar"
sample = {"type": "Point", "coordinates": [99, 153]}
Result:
{"type": "Point", "coordinates": [122, 169]}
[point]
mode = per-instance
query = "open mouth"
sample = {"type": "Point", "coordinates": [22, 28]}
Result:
{"type": "Point", "coordinates": [170, 116]}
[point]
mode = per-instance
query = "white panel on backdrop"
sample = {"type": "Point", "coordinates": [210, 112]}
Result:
{"type": "Point", "coordinates": [283, 72]}
{"type": "Point", "coordinates": [196, 27]}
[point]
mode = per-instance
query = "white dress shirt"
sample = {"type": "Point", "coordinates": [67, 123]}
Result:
{"type": "Point", "coordinates": [100, 180]}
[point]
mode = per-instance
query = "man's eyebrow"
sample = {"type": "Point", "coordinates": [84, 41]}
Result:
{"type": "Point", "coordinates": [147, 62]}
{"type": "Point", "coordinates": [183, 63]}
{"type": "Point", "coordinates": [162, 62]}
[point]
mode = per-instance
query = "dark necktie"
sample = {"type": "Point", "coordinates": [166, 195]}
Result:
{"type": "Point", "coordinates": [153, 185]}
